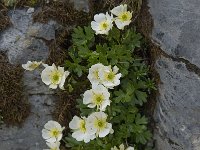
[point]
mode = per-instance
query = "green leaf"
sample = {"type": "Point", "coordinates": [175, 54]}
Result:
{"type": "Point", "coordinates": [82, 36]}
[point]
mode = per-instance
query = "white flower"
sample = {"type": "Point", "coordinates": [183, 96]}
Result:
{"type": "Point", "coordinates": [121, 147]}
{"type": "Point", "coordinates": [52, 131]}
{"type": "Point", "coordinates": [80, 133]}
{"type": "Point", "coordinates": [98, 97]}
{"type": "Point", "coordinates": [97, 124]}
{"type": "Point", "coordinates": [102, 23]}
{"type": "Point", "coordinates": [31, 65]}
{"type": "Point", "coordinates": [54, 76]}
{"type": "Point", "coordinates": [123, 16]}
{"type": "Point", "coordinates": [93, 75]}
{"type": "Point", "coordinates": [109, 77]}
{"type": "Point", "coordinates": [53, 146]}
{"type": "Point", "coordinates": [130, 148]}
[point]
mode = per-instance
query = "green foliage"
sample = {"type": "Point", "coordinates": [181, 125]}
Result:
{"type": "Point", "coordinates": [9, 3]}
{"type": "Point", "coordinates": [118, 48]}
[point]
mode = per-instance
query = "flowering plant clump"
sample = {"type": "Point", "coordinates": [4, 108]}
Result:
{"type": "Point", "coordinates": [119, 84]}
{"type": "Point", "coordinates": [110, 107]}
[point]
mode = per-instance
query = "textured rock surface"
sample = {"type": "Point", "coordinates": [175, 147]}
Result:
{"type": "Point", "coordinates": [177, 27]}
{"type": "Point", "coordinates": [25, 41]}
{"type": "Point", "coordinates": [178, 107]}
{"type": "Point", "coordinates": [177, 114]}
{"type": "Point", "coordinates": [81, 5]}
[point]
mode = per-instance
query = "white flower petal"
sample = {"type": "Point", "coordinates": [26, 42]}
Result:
{"type": "Point", "coordinates": [119, 24]}
{"type": "Point", "coordinates": [94, 25]}
{"type": "Point", "coordinates": [54, 146]}
{"type": "Point", "coordinates": [106, 131]}
{"type": "Point", "coordinates": [51, 140]}
{"type": "Point", "coordinates": [62, 82]}
{"type": "Point", "coordinates": [117, 10]}
{"type": "Point", "coordinates": [130, 148]}
{"type": "Point", "coordinates": [74, 124]}
{"type": "Point", "coordinates": [91, 105]}
{"type": "Point", "coordinates": [87, 97]}
{"type": "Point", "coordinates": [53, 86]}
{"type": "Point", "coordinates": [99, 17]}
{"type": "Point", "coordinates": [121, 147]}
{"type": "Point", "coordinates": [78, 135]}
{"type": "Point", "coordinates": [45, 134]}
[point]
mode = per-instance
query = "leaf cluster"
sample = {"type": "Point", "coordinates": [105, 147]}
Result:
{"type": "Point", "coordinates": [118, 48]}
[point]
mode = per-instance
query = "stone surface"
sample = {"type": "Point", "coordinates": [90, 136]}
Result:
{"type": "Point", "coordinates": [178, 107]}
{"type": "Point", "coordinates": [177, 27]}
{"type": "Point", "coordinates": [81, 5]}
{"type": "Point", "coordinates": [25, 41]}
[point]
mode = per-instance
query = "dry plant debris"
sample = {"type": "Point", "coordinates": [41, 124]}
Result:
{"type": "Point", "coordinates": [4, 19]}
{"type": "Point", "coordinates": [13, 104]}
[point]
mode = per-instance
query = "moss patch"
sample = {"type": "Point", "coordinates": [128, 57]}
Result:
{"type": "Point", "coordinates": [62, 12]}
{"type": "Point", "coordinates": [4, 19]}
{"type": "Point", "coordinates": [13, 105]}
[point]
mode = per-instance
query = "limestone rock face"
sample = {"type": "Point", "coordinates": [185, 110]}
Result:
{"type": "Point", "coordinates": [177, 110]}
{"type": "Point", "coordinates": [24, 41]}
{"type": "Point", "coordinates": [176, 27]}
{"type": "Point", "coordinates": [177, 113]}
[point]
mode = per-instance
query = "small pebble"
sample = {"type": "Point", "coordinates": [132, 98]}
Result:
{"type": "Point", "coordinates": [30, 10]}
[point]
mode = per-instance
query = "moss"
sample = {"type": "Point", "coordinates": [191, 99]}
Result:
{"type": "Point", "coordinates": [4, 19]}
{"type": "Point", "coordinates": [13, 105]}
{"type": "Point", "coordinates": [63, 12]}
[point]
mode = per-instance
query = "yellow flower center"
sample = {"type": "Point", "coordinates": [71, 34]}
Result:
{"type": "Point", "coordinates": [100, 124]}
{"type": "Point", "coordinates": [104, 25]}
{"type": "Point", "coordinates": [125, 16]}
{"type": "Point", "coordinates": [82, 126]}
{"type": "Point", "coordinates": [33, 65]}
{"type": "Point", "coordinates": [110, 76]}
{"type": "Point", "coordinates": [54, 132]}
{"type": "Point", "coordinates": [98, 99]}
{"type": "Point", "coordinates": [96, 74]}
{"type": "Point", "coordinates": [55, 77]}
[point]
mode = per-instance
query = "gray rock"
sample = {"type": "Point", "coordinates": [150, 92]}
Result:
{"type": "Point", "coordinates": [81, 5]}
{"type": "Point", "coordinates": [176, 27]}
{"type": "Point", "coordinates": [177, 111]}
{"type": "Point", "coordinates": [30, 10]}
{"type": "Point", "coordinates": [25, 41]}
{"type": "Point", "coordinates": [45, 31]}
{"type": "Point", "coordinates": [29, 137]}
